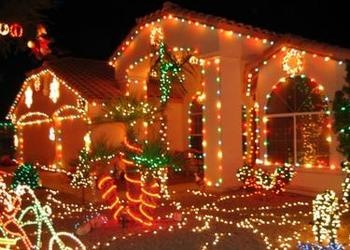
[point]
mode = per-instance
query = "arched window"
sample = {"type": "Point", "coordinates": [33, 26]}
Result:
{"type": "Point", "coordinates": [195, 128]}
{"type": "Point", "coordinates": [297, 119]}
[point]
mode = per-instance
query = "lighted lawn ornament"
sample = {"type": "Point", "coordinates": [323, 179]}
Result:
{"type": "Point", "coordinates": [90, 222]}
{"type": "Point", "coordinates": [40, 46]}
{"type": "Point", "coordinates": [9, 226]}
{"type": "Point", "coordinates": [110, 194]}
{"type": "Point", "coordinates": [141, 165]}
{"type": "Point", "coordinates": [326, 222]}
{"type": "Point", "coordinates": [26, 174]}
{"type": "Point", "coordinates": [326, 216]}
{"type": "Point", "coordinates": [14, 30]}
{"type": "Point", "coordinates": [21, 219]}
{"type": "Point", "coordinates": [257, 178]}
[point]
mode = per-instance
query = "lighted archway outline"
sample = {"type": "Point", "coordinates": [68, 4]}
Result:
{"type": "Point", "coordinates": [325, 110]}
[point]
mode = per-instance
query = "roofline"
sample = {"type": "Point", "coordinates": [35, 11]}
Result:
{"type": "Point", "coordinates": [171, 10]}
{"type": "Point", "coordinates": [41, 70]}
{"type": "Point", "coordinates": [341, 56]}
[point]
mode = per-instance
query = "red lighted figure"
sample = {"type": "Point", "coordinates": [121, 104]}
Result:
{"type": "Point", "coordinates": [40, 46]}
{"type": "Point", "coordinates": [9, 206]}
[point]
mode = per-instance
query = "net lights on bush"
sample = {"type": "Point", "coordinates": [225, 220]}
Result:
{"type": "Point", "coordinates": [326, 217]}
{"type": "Point", "coordinates": [256, 178]}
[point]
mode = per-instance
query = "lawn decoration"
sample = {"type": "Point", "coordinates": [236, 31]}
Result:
{"type": "Point", "coordinates": [257, 178]}
{"type": "Point", "coordinates": [14, 221]}
{"type": "Point", "coordinates": [26, 174]}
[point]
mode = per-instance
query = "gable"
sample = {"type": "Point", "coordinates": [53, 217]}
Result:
{"type": "Point", "coordinates": [44, 93]}
{"type": "Point", "coordinates": [205, 33]}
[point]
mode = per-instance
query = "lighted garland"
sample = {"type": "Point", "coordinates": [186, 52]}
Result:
{"type": "Point", "coordinates": [326, 216]}
{"type": "Point", "coordinates": [26, 174]}
{"type": "Point", "coordinates": [167, 66]}
{"type": "Point", "coordinates": [257, 178]}
{"type": "Point", "coordinates": [346, 183]}
{"type": "Point", "coordinates": [154, 157]}
{"type": "Point", "coordinates": [128, 109]}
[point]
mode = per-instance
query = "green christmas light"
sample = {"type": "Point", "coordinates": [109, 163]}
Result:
{"type": "Point", "coordinates": [168, 71]}
{"type": "Point", "coordinates": [341, 116]}
{"type": "Point", "coordinates": [26, 174]}
{"type": "Point", "coordinates": [128, 109]}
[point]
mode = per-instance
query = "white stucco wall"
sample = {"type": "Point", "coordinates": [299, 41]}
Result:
{"type": "Point", "coordinates": [233, 52]}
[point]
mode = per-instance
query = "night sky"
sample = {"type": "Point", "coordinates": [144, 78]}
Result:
{"type": "Point", "coordinates": [93, 29]}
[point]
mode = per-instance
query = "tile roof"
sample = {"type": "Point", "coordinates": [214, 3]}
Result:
{"type": "Point", "coordinates": [223, 23]}
{"type": "Point", "coordinates": [93, 79]}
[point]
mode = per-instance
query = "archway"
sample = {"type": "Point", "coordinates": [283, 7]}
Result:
{"type": "Point", "coordinates": [297, 123]}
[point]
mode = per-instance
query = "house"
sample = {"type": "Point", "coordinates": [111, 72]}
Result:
{"type": "Point", "coordinates": [248, 95]}
{"type": "Point", "coordinates": [54, 109]}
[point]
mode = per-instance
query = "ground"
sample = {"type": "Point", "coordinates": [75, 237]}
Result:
{"type": "Point", "coordinates": [224, 219]}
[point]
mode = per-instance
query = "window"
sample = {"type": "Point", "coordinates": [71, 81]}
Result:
{"type": "Point", "coordinates": [195, 129]}
{"type": "Point", "coordinates": [296, 123]}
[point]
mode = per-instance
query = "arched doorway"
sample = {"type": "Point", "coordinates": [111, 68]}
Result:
{"type": "Point", "coordinates": [70, 129]}
{"type": "Point", "coordinates": [297, 123]}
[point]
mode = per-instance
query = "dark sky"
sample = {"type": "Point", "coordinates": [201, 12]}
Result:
{"type": "Point", "coordinates": [93, 29]}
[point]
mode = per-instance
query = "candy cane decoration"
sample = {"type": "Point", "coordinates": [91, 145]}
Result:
{"type": "Point", "coordinates": [110, 194]}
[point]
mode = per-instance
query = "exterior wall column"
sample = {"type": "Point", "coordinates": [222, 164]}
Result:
{"type": "Point", "coordinates": [58, 143]}
{"type": "Point", "coordinates": [231, 101]}
{"type": "Point", "coordinates": [19, 148]}
{"type": "Point", "coordinates": [222, 122]}
{"type": "Point", "coordinates": [211, 123]}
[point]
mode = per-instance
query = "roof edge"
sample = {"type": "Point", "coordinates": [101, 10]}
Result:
{"type": "Point", "coordinates": [170, 8]}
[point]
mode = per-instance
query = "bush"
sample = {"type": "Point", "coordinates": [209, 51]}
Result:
{"type": "Point", "coordinates": [26, 174]}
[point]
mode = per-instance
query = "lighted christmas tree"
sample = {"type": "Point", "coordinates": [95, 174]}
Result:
{"type": "Point", "coordinates": [341, 112]}
{"type": "Point", "coordinates": [81, 177]}
{"type": "Point", "coordinates": [26, 174]}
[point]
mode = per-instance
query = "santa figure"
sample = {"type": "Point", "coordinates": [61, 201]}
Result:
{"type": "Point", "coordinates": [40, 46]}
